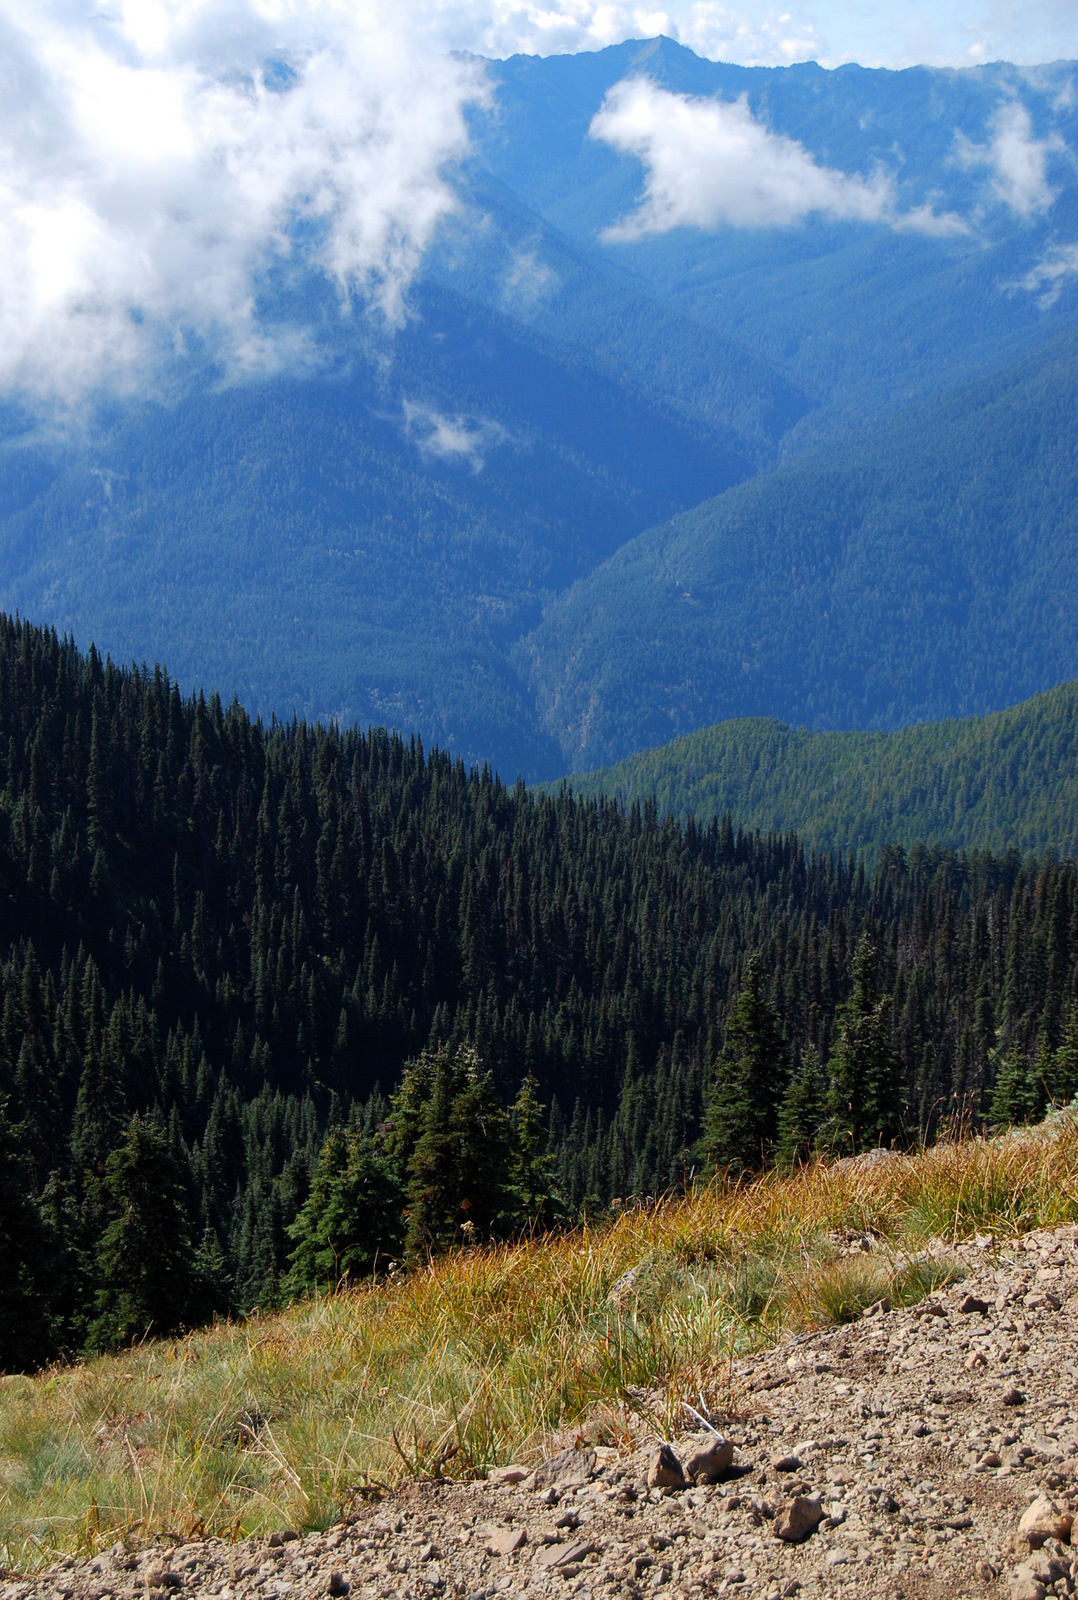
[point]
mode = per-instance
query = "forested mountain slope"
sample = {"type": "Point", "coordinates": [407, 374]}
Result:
{"type": "Point", "coordinates": [859, 315]}
{"type": "Point", "coordinates": [1007, 780]}
{"type": "Point", "coordinates": [241, 933]}
{"type": "Point", "coordinates": [925, 567]}
{"type": "Point", "coordinates": [366, 544]}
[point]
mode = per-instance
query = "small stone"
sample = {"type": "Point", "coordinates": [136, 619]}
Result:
{"type": "Point", "coordinates": [566, 1555]}
{"type": "Point", "coordinates": [1026, 1585]}
{"type": "Point", "coordinates": [878, 1308]}
{"type": "Point", "coordinates": [160, 1576]}
{"type": "Point", "coordinates": [275, 1541]}
{"type": "Point", "coordinates": [429, 1552]}
{"type": "Point", "coordinates": [797, 1520]}
{"type": "Point", "coordinates": [919, 1430]}
{"type": "Point", "coordinates": [975, 1360]}
{"type": "Point", "coordinates": [338, 1583]}
{"type": "Point", "coordinates": [711, 1460]}
{"type": "Point", "coordinates": [971, 1303]}
{"type": "Point", "coordinates": [504, 1541]}
{"type": "Point", "coordinates": [787, 1463]}
{"type": "Point", "coordinates": [987, 1572]}
{"type": "Point", "coordinates": [1044, 1519]}
{"type": "Point", "coordinates": [1041, 1300]}
{"type": "Point", "coordinates": [988, 1460]}
{"type": "Point", "coordinates": [839, 1557]}
{"type": "Point", "coordinates": [1013, 1397]}
{"type": "Point", "coordinates": [571, 1469]}
{"type": "Point", "coordinates": [666, 1471]}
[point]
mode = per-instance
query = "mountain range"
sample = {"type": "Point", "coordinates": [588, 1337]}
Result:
{"type": "Point", "coordinates": [657, 444]}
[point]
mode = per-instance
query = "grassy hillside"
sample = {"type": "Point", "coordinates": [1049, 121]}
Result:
{"type": "Point", "coordinates": [1010, 778]}
{"type": "Point", "coordinates": [920, 570]}
{"type": "Point", "coordinates": [485, 1355]}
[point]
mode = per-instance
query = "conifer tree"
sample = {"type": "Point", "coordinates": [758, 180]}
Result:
{"type": "Point", "coordinates": [533, 1201]}
{"type": "Point", "coordinates": [1016, 1094]}
{"type": "Point", "coordinates": [28, 1332]}
{"type": "Point", "coordinates": [802, 1110]}
{"type": "Point", "coordinates": [1060, 1071]}
{"type": "Point", "coordinates": [741, 1112]}
{"type": "Point", "coordinates": [451, 1137]}
{"type": "Point", "coordinates": [353, 1216]}
{"type": "Point", "coordinates": [146, 1262]}
{"type": "Point", "coordinates": [864, 1101]}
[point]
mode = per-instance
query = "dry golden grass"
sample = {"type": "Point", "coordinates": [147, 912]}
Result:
{"type": "Point", "coordinates": [485, 1355]}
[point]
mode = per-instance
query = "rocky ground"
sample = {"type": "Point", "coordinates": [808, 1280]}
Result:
{"type": "Point", "coordinates": [916, 1453]}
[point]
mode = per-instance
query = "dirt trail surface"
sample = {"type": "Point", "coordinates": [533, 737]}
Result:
{"type": "Point", "coordinates": [895, 1456]}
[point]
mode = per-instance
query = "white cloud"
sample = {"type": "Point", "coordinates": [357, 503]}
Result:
{"type": "Point", "coordinates": [709, 162]}
{"type": "Point", "coordinates": [529, 280]}
{"type": "Point", "coordinates": [1017, 161]}
{"type": "Point", "coordinates": [1047, 278]}
{"type": "Point", "coordinates": [156, 157]}
{"type": "Point", "coordinates": [458, 440]}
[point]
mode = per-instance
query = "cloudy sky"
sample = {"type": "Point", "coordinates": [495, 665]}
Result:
{"type": "Point", "coordinates": [875, 32]}
{"type": "Point", "coordinates": [157, 156]}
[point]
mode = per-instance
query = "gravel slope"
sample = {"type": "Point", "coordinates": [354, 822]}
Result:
{"type": "Point", "coordinates": [913, 1441]}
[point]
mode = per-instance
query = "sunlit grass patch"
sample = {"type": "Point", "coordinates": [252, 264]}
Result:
{"type": "Point", "coordinates": [488, 1355]}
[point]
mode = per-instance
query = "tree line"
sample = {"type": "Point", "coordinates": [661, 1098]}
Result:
{"type": "Point", "coordinates": [281, 965]}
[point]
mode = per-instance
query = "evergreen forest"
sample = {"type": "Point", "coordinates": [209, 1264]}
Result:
{"type": "Point", "coordinates": [282, 1004]}
{"type": "Point", "coordinates": [1009, 778]}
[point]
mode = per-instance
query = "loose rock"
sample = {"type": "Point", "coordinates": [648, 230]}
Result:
{"type": "Point", "coordinates": [505, 1541]}
{"type": "Point", "coordinates": [710, 1460]}
{"type": "Point", "coordinates": [1044, 1519]}
{"type": "Point", "coordinates": [565, 1555]}
{"type": "Point", "coordinates": [666, 1471]}
{"type": "Point", "coordinates": [569, 1470]}
{"type": "Point", "coordinates": [796, 1521]}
